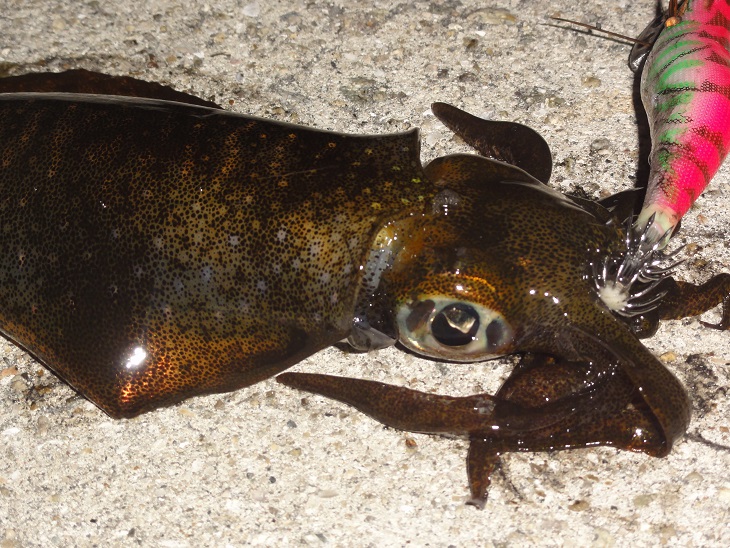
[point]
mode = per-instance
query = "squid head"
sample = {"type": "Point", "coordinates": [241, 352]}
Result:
{"type": "Point", "coordinates": [499, 263]}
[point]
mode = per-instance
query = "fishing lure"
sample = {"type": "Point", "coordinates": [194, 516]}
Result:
{"type": "Point", "coordinates": [684, 89]}
{"type": "Point", "coordinates": [154, 250]}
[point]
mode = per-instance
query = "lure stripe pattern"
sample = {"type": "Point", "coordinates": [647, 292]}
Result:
{"type": "Point", "coordinates": [685, 89]}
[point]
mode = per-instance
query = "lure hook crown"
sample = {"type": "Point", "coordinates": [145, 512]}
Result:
{"type": "Point", "coordinates": [626, 281]}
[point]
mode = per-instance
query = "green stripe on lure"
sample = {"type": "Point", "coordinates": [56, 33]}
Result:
{"type": "Point", "coordinates": [155, 250]}
{"type": "Point", "coordinates": [684, 89]}
{"type": "Point", "coordinates": [684, 59]}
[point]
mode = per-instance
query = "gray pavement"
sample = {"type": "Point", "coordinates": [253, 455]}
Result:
{"type": "Point", "coordinates": [267, 466]}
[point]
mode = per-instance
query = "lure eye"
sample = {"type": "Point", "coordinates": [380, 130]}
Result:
{"type": "Point", "coordinates": [455, 325]}
{"type": "Point", "coordinates": [440, 327]}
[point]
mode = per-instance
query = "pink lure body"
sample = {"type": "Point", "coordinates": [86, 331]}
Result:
{"type": "Point", "coordinates": [685, 88]}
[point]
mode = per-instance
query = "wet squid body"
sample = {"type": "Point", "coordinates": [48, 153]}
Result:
{"type": "Point", "coordinates": [153, 250]}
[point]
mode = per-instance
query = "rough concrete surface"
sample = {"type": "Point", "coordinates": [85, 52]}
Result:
{"type": "Point", "coordinates": [263, 466]}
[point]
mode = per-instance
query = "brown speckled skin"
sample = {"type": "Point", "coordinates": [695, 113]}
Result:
{"type": "Point", "coordinates": [151, 251]}
{"type": "Point", "coordinates": [516, 246]}
{"type": "Point", "coordinates": [226, 246]}
{"type": "Point", "coordinates": [528, 253]}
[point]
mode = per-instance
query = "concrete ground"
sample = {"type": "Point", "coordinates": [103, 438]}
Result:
{"type": "Point", "coordinates": [262, 466]}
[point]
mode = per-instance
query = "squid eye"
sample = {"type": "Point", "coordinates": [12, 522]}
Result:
{"type": "Point", "coordinates": [455, 325]}
{"type": "Point", "coordinates": [441, 327]}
